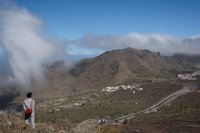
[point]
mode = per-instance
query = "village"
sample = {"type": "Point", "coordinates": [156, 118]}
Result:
{"type": "Point", "coordinates": [186, 76]}
{"type": "Point", "coordinates": [60, 104]}
{"type": "Point", "coordinates": [133, 87]}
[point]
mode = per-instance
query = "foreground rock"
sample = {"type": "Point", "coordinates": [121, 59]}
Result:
{"type": "Point", "coordinates": [13, 124]}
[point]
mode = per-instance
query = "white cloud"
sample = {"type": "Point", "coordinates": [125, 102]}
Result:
{"type": "Point", "coordinates": [77, 50]}
{"type": "Point", "coordinates": [167, 45]}
{"type": "Point", "coordinates": [25, 46]}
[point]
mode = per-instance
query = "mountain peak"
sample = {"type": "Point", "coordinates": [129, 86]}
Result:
{"type": "Point", "coordinates": [116, 66]}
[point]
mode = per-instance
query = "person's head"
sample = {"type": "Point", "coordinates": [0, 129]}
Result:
{"type": "Point", "coordinates": [29, 95]}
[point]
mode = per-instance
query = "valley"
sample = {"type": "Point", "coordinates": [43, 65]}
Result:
{"type": "Point", "coordinates": [115, 87]}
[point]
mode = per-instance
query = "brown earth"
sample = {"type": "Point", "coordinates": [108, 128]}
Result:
{"type": "Point", "coordinates": [13, 124]}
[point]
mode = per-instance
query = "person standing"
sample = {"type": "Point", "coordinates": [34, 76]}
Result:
{"type": "Point", "coordinates": [29, 105]}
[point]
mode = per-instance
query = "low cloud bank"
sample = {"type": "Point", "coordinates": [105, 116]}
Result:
{"type": "Point", "coordinates": [167, 45]}
{"type": "Point", "coordinates": [25, 47]}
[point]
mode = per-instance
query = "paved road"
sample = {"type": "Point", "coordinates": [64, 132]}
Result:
{"type": "Point", "coordinates": [186, 89]}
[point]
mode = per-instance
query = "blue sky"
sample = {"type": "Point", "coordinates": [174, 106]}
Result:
{"type": "Point", "coordinates": [71, 19]}
{"type": "Point", "coordinates": [91, 27]}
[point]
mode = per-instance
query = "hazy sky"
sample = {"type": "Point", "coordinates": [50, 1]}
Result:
{"type": "Point", "coordinates": [71, 19]}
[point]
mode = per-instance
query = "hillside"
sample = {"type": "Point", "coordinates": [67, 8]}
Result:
{"type": "Point", "coordinates": [189, 61]}
{"type": "Point", "coordinates": [180, 116]}
{"type": "Point", "coordinates": [14, 124]}
{"type": "Point", "coordinates": [117, 66]}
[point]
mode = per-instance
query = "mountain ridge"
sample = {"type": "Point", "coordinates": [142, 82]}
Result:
{"type": "Point", "coordinates": [116, 66]}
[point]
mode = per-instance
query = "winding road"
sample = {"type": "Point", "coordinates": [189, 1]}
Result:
{"type": "Point", "coordinates": [186, 89]}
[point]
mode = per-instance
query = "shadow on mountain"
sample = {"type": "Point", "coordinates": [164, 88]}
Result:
{"type": "Point", "coordinates": [7, 98]}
